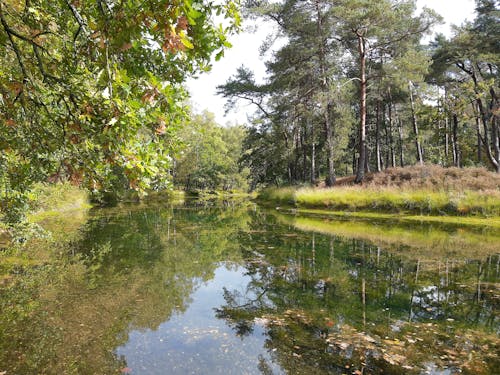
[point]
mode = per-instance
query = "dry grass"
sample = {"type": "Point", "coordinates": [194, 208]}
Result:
{"type": "Point", "coordinates": [431, 177]}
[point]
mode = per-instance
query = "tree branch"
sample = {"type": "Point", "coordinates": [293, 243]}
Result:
{"type": "Point", "coordinates": [13, 44]}
{"type": "Point", "coordinates": [77, 16]}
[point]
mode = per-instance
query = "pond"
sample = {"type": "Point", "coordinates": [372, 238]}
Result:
{"type": "Point", "coordinates": [233, 288]}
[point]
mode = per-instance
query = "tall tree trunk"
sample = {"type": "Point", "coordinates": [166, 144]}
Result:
{"type": "Point", "coordinates": [367, 160]}
{"type": "Point", "coordinates": [493, 155]}
{"type": "Point", "coordinates": [478, 133]}
{"type": "Point", "coordinates": [377, 137]}
{"type": "Point", "coordinates": [303, 146]}
{"type": "Point", "coordinates": [456, 148]}
{"type": "Point", "coordinates": [387, 156]}
{"type": "Point", "coordinates": [446, 139]}
{"type": "Point", "coordinates": [296, 164]}
{"type": "Point", "coordinates": [288, 154]}
{"type": "Point", "coordinates": [330, 179]}
{"type": "Point", "coordinates": [360, 174]}
{"type": "Point", "coordinates": [493, 148]}
{"type": "Point", "coordinates": [446, 128]}
{"type": "Point", "coordinates": [354, 160]}
{"type": "Point", "coordinates": [420, 156]}
{"type": "Point", "coordinates": [401, 138]}
{"type": "Point", "coordinates": [313, 154]}
{"type": "Point", "coordinates": [391, 134]}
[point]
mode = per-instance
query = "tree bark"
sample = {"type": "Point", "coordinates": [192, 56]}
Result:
{"type": "Point", "coordinates": [377, 137]}
{"type": "Point", "coordinates": [303, 146]}
{"type": "Point", "coordinates": [493, 149]}
{"type": "Point", "coordinates": [456, 148]}
{"type": "Point", "coordinates": [420, 156]}
{"type": "Point", "coordinates": [401, 138]}
{"type": "Point", "coordinates": [313, 154]}
{"type": "Point", "coordinates": [360, 174]}
{"type": "Point", "coordinates": [330, 179]}
{"type": "Point", "coordinates": [478, 133]}
{"type": "Point", "coordinates": [391, 136]}
{"type": "Point", "coordinates": [446, 140]}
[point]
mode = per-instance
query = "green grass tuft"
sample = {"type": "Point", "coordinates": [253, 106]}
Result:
{"type": "Point", "coordinates": [279, 195]}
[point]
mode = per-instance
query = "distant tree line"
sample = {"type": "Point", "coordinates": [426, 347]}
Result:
{"type": "Point", "coordinates": [209, 159]}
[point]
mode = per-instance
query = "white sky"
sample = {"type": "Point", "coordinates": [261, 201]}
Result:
{"type": "Point", "coordinates": [245, 51]}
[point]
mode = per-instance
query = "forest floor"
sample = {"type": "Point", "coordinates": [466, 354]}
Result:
{"type": "Point", "coordinates": [472, 193]}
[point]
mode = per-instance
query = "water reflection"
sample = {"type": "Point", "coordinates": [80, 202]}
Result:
{"type": "Point", "coordinates": [194, 342]}
{"type": "Point", "coordinates": [206, 289]}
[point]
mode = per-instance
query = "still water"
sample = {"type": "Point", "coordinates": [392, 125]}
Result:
{"type": "Point", "coordinates": [212, 288]}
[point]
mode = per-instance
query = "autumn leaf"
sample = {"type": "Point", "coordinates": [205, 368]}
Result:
{"type": "Point", "coordinates": [182, 23]}
{"type": "Point", "coordinates": [161, 128]}
{"type": "Point", "coordinates": [126, 47]}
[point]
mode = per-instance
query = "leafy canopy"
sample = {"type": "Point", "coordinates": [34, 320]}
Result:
{"type": "Point", "coordinates": [90, 90]}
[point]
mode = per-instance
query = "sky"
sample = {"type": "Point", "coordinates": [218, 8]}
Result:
{"type": "Point", "coordinates": [245, 51]}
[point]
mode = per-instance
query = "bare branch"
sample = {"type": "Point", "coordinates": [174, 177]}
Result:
{"type": "Point", "coordinates": [77, 16]}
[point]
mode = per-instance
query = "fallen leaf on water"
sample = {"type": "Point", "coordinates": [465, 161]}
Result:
{"type": "Point", "coordinates": [394, 359]}
{"type": "Point", "coordinates": [343, 345]}
{"type": "Point", "coordinates": [126, 370]}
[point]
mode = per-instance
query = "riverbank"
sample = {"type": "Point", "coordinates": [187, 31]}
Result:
{"type": "Point", "coordinates": [422, 191]}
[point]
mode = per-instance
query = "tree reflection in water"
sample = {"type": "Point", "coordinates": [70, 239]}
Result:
{"type": "Point", "coordinates": [300, 295]}
{"type": "Point", "coordinates": [331, 304]}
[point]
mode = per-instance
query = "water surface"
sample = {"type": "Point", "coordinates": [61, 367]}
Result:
{"type": "Point", "coordinates": [235, 289]}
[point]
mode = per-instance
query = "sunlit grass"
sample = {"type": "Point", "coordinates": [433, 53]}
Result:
{"type": "Point", "coordinates": [279, 195]}
{"type": "Point", "coordinates": [354, 198]}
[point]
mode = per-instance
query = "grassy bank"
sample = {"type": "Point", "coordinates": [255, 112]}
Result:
{"type": "Point", "coordinates": [433, 192]}
{"type": "Point", "coordinates": [389, 200]}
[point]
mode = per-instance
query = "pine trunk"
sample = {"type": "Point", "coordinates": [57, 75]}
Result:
{"type": "Point", "coordinates": [420, 156]}
{"type": "Point", "coordinates": [360, 174]}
